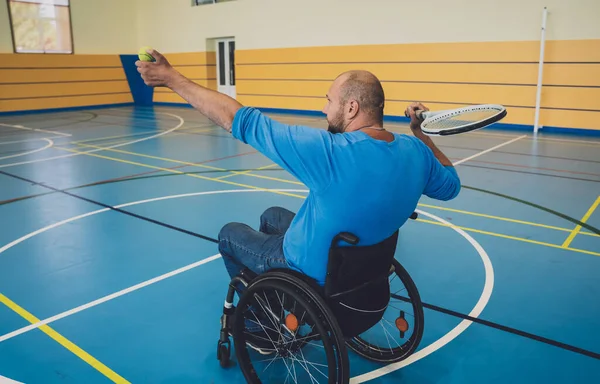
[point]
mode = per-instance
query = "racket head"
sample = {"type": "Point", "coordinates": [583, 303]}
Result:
{"type": "Point", "coordinates": [461, 120]}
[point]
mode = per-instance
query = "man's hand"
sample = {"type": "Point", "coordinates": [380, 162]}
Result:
{"type": "Point", "coordinates": [415, 122]}
{"type": "Point", "coordinates": [415, 127]}
{"type": "Point", "coordinates": [157, 74]}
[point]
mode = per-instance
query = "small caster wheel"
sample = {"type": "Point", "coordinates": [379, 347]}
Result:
{"type": "Point", "coordinates": [223, 354]}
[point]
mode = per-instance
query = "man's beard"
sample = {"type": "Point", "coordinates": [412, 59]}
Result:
{"type": "Point", "coordinates": [336, 125]}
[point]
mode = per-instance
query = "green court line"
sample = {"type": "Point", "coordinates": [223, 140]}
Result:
{"type": "Point", "coordinates": [545, 209]}
{"type": "Point", "coordinates": [246, 170]}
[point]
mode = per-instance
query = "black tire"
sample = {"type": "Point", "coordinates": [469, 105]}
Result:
{"type": "Point", "coordinates": [386, 354]}
{"type": "Point", "coordinates": [325, 326]}
{"type": "Point", "coordinates": [224, 356]}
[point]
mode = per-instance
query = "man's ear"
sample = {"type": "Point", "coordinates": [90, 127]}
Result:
{"type": "Point", "coordinates": [352, 109]}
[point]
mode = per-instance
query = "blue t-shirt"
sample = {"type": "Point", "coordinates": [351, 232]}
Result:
{"type": "Point", "coordinates": [357, 184]}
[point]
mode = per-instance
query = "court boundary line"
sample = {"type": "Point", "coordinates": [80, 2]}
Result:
{"type": "Point", "coordinates": [282, 193]}
{"type": "Point", "coordinates": [63, 341]}
{"type": "Point", "coordinates": [467, 319]}
{"type": "Point", "coordinates": [451, 335]}
{"type": "Point", "coordinates": [489, 150]}
{"type": "Point", "coordinates": [585, 218]}
{"type": "Point", "coordinates": [247, 172]}
{"type": "Point", "coordinates": [18, 126]}
{"type": "Point", "coordinates": [181, 122]}
{"type": "Point", "coordinates": [50, 144]}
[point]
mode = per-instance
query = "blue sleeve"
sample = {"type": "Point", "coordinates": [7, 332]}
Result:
{"type": "Point", "coordinates": [303, 151]}
{"type": "Point", "coordinates": [443, 182]}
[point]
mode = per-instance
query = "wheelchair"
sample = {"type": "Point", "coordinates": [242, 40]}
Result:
{"type": "Point", "coordinates": [283, 320]}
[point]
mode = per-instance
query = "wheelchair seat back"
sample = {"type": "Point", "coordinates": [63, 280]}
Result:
{"type": "Point", "coordinates": [357, 283]}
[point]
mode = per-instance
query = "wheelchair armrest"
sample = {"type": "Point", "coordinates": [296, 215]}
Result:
{"type": "Point", "coordinates": [347, 237]}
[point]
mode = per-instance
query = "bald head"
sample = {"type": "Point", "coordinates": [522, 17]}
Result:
{"type": "Point", "coordinates": [364, 87]}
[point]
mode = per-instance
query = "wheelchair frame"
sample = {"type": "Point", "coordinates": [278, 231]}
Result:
{"type": "Point", "coordinates": [319, 298]}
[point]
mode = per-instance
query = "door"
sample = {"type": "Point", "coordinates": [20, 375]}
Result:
{"type": "Point", "coordinates": [226, 66]}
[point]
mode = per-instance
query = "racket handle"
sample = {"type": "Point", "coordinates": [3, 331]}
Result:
{"type": "Point", "coordinates": [419, 114]}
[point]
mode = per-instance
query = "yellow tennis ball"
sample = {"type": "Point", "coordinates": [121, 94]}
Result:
{"type": "Point", "coordinates": [143, 55]}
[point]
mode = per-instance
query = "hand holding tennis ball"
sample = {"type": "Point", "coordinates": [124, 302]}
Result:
{"type": "Point", "coordinates": [154, 68]}
{"type": "Point", "coordinates": [144, 55]}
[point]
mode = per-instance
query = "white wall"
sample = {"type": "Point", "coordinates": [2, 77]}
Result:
{"type": "Point", "coordinates": [104, 26]}
{"type": "Point", "coordinates": [176, 26]}
{"type": "Point", "coordinates": [99, 26]}
{"type": "Point", "coordinates": [121, 26]}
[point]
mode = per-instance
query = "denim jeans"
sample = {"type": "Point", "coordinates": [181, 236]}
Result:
{"type": "Point", "coordinates": [241, 246]}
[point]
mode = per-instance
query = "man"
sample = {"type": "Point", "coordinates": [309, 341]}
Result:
{"type": "Point", "coordinates": [362, 178]}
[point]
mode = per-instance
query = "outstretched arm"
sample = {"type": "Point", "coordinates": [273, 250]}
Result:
{"type": "Point", "coordinates": [219, 108]}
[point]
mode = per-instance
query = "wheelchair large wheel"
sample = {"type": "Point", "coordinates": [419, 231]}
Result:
{"type": "Point", "coordinates": [284, 332]}
{"type": "Point", "coordinates": [399, 332]}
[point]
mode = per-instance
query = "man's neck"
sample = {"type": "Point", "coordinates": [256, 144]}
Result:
{"type": "Point", "coordinates": [373, 129]}
{"type": "Point", "coordinates": [363, 124]}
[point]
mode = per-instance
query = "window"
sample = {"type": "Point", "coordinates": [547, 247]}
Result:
{"type": "Point", "coordinates": [41, 26]}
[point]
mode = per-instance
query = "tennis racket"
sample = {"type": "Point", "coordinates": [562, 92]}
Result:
{"type": "Point", "coordinates": [460, 120]}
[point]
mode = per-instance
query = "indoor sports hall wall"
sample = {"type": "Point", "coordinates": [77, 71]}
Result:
{"type": "Point", "coordinates": [33, 82]}
{"type": "Point", "coordinates": [93, 76]}
{"type": "Point", "coordinates": [446, 53]}
{"type": "Point", "coordinates": [442, 75]}
{"type": "Point", "coordinates": [199, 67]}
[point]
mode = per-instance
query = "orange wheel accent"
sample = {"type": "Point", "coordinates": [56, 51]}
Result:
{"type": "Point", "coordinates": [401, 324]}
{"type": "Point", "coordinates": [291, 321]}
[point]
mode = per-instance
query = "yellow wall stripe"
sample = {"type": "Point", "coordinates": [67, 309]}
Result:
{"type": "Point", "coordinates": [516, 115]}
{"type": "Point", "coordinates": [9, 60]}
{"type": "Point", "coordinates": [491, 73]}
{"type": "Point", "coordinates": [455, 74]}
{"type": "Point", "coordinates": [64, 102]}
{"type": "Point", "coordinates": [17, 91]}
{"type": "Point", "coordinates": [199, 67]}
{"type": "Point", "coordinates": [60, 75]}
{"type": "Point", "coordinates": [32, 82]}
{"type": "Point", "coordinates": [69, 345]}
{"type": "Point", "coordinates": [506, 51]}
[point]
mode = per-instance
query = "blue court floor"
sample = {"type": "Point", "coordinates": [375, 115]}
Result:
{"type": "Point", "coordinates": [134, 294]}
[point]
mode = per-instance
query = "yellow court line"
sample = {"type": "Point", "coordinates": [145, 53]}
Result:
{"type": "Point", "coordinates": [77, 351]}
{"type": "Point", "coordinates": [506, 219]}
{"type": "Point", "coordinates": [187, 163]}
{"type": "Point", "coordinates": [141, 134]}
{"type": "Point", "coordinates": [583, 220]}
{"type": "Point", "coordinates": [178, 172]}
{"type": "Point", "coordinates": [303, 197]}
{"type": "Point", "coordinates": [512, 237]}
{"type": "Point", "coordinates": [248, 173]}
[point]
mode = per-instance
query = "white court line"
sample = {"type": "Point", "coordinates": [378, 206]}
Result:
{"type": "Point", "coordinates": [181, 122]}
{"type": "Point", "coordinates": [462, 326]}
{"type": "Point", "coordinates": [30, 140]}
{"type": "Point", "coordinates": [107, 298]}
{"type": "Point", "coordinates": [50, 143]}
{"type": "Point", "coordinates": [35, 129]}
{"type": "Point", "coordinates": [486, 294]}
{"type": "Point", "coordinates": [6, 380]}
{"type": "Point", "coordinates": [489, 150]}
